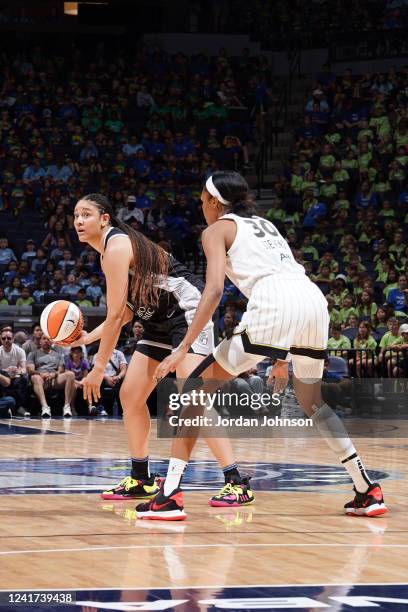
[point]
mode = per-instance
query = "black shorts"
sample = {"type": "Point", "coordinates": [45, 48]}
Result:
{"type": "Point", "coordinates": [161, 337]}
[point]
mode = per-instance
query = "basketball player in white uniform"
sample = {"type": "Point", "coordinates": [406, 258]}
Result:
{"type": "Point", "coordinates": [286, 312]}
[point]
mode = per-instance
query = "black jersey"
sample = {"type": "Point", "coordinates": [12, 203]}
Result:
{"type": "Point", "coordinates": [166, 325]}
{"type": "Point", "coordinates": [179, 295]}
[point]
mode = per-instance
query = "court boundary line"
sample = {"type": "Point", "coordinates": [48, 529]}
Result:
{"type": "Point", "coordinates": [5, 553]}
{"type": "Point", "coordinates": [37, 427]}
{"type": "Point", "coordinates": [192, 533]}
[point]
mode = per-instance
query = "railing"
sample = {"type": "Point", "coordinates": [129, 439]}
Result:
{"type": "Point", "coordinates": [261, 166]}
{"type": "Point", "coordinates": [283, 101]}
{"type": "Point", "coordinates": [367, 363]}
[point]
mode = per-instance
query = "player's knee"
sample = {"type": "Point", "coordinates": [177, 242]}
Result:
{"type": "Point", "coordinates": [307, 369]}
{"type": "Point", "coordinates": [130, 399]}
{"type": "Point", "coordinates": [69, 375]}
{"type": "Point", "coordinates": [124, 394]}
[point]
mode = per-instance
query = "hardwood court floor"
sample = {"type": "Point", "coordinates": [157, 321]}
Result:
{"type": "Point", "coordinates": [294, 533]}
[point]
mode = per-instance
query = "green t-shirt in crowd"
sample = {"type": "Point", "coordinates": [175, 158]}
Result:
{"type": "Point", "coordinates": [328, 190]}
{"type": "Point", "coordinates": [276, 214]}
{"type": "Point", "coordinates": [382, 187]}
{"type": "Point", "coordinates": [335, 317]}
{"type": "Point", "coordinates": [333, 138]}
{"type": "Point", "coordinates": [312, 251]}
{"type": "Point", "coordinates": [349, 164]}
{"type": "Point", "coordinates": [25, 301]}
{"type": "Point", "coordinates": [346, 312]}
{"type": "Point", "coordinates": [342, 343]}
{"type": "Point", "coordinates": [367, 311]}
{"type": "Point", "coordinates": [397, 248]}
{"type": "Point", "coordinates": [369, 343]}
{"type": "Point", "coordinates": [340, 176]}
{"type": "Point", "coordinates": [85, 303]}
{"type": "Point", "coordinates": [388, 340]}
{"type": "Point", "coordinates": [366, 132]}
{"type": "Point", "coordinates": [386, 212]}
{"type": "Point", "coordinates": [327, 160]}
{"type": "Point", "coordinates": [401, 140]}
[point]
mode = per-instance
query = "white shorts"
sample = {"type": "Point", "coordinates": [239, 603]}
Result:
{"type": "Point", "coordinates": [285, 313]}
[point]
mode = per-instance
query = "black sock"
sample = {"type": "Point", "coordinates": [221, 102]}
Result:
{"type": "Point", "coordinates": [231, 472]}
{"type": "Point", "coordinates": [140, 468]}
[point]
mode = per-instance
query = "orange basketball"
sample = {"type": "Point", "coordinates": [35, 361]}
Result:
{"type": "Point", "coordinates": [62, 321]}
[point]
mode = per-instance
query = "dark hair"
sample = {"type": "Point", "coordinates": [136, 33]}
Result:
{"type": "Point", "coordinates": [368, 327]}
{"type": "Point", "coordinates": [150, 260]}
{"type": "Point", "coordinates": [235, 190]}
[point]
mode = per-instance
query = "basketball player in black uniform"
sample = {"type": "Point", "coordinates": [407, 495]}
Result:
{"type": "Point", "coordinates": [143, 280]}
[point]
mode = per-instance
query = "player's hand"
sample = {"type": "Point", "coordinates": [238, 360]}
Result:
{"type": "Point", "coordinates": [82, 339]}
{"type": "Point", "coordinates": [91, 386]}
{"type": "Point", "coordinates": [279, 377]}
{"type": "Point", "coordinates": [169, 364]}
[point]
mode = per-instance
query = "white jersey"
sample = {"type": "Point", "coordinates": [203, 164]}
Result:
{"type": "Point", "coordinates": [285, 312]}
{"type": "Point", "coordinates": [257, 252]}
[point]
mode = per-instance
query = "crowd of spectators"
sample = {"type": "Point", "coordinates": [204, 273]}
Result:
{"type": "Point", "coordinates": [342, 203]}
{"type": "Point", "coordinates": [39, 377]}
{"type": "Point", "coordinates": [144, 128]}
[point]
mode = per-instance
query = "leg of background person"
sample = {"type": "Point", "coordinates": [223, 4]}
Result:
{"type": "Point", "coordinates": [241, 385]}
{"type": "Point", "coordinates": [77, 386]}
{"type": "Point", "coordinates": [134, 392]}
{"type": "Point", "coordinates": [38, 388]}
{"type": "Point", "coordinates": [106, 400]}
{"type": "Point", "coordinates": [7, 406]}
{"type": "Point", "coordinates": [19, 387]}
{"type": "Point", "coordinates": [255, 383]}
{"type": "Point", "coordinates": [67, 379]}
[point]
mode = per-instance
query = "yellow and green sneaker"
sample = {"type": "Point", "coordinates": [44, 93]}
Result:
{"type": "Point", "coordinates": [130, 488]}
{"type": "Point", "coordinates": [234, 493]}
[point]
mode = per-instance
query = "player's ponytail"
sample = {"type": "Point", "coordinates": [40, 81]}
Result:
{"type": "Point", "coordinates": [151, 261]}
{"type": "Point", "coordinates": [234, 192]}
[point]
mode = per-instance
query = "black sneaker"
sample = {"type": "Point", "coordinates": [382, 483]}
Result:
{"type": "Point", "coordinates": [130, 488]}
{"type": "Point", "coordinates": [235, 493]}
{"type": "Point", "coordinates": [370, 503]}
{"type": "Point", "coordinates": [163, 507]}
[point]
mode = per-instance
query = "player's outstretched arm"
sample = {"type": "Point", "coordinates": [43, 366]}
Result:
{"type": "Point", "coordinates": [96, 334]}
{"type": "Point", "coordinates": [213, 241]}
{"type": "Point", "coordinates": [116, 264]}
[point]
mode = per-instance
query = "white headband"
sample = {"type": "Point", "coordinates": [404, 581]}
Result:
{"type": "Point", "coordinates": [212, 190]}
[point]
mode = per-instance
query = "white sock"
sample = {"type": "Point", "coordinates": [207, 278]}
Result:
{"type": "Point", "coordinates": [175, 473]}
{"type": "Point", "coordinates": [357, 473]}
{"type": "Point", "coordinates": [333, 431]}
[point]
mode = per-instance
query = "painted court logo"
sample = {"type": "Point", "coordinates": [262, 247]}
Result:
{"type": "Point", "coordinates": [333, 598]}
{"type": "Point", "coordinates": [53, 476]}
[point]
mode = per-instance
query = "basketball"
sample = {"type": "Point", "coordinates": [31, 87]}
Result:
{"type": "Point", "coordinates": [62, 321]}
